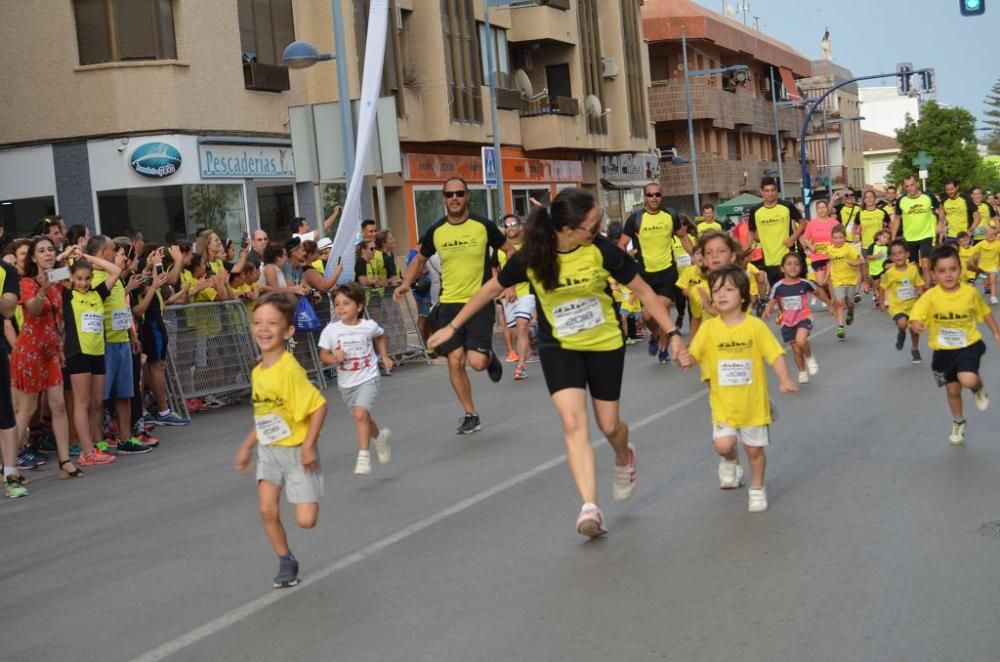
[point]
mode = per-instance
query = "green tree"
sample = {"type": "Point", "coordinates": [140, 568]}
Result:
{"type": "Point", "coordinates": [946, 134]}
{"type": "Point", "coordinates": [992, 118]}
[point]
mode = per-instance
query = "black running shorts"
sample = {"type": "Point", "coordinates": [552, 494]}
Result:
{"type": "Point", "coordinates": [598, 372]}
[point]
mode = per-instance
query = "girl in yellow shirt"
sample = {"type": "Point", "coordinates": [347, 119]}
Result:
{"type": "Point", "coordinates": [949, 313]}
{"type": "Point", "coordinates": [986, 260]}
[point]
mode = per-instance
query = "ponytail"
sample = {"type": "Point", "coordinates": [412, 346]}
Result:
{"type": "Point", "coordinates": [569, 209]}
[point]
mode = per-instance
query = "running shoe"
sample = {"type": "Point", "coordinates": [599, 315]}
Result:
{"type": "Point", "coordinates": [382, 447]}
{"type": "Point", "coordinates": [730, 474]}
{"type": "Point", "coordinates": [915, 354]}
{"type": "Point", "coordinates": [132, 447]}
{"type": "Point", "coordinates": [625, 479]}
{"type": "Point", "coordinates": [654, 345]}
{"type": "Point", "coordinates": [363, 466]}
{"type": "Point", "coordinates": [841, 332]}
{"type": "Point", "coordinates": [94, 458]}
{"type": "Point", "coordinates": [850, 316]}
{"type": "Point", "coordinates": [288, 572]}
{"type": "Point", "coordinates": [590, 523]}
{"type": "Point", "coordinates": [41, 457]}
{"type": "Point", "coordinates": [533, 357]}
{"type": "Point", "coordinates": [857, 298]}
{"type": "Point", "coordinates": [144, 438]}
{"type": "Point", "coordinates": [982, 398]}
{"type": "Point", "coordinates": [811, 365]}
{"type": "Point", "coordinates": [74, 450]}
{"type": "Point", "coordinates": [495, 368]}
{"type": "Point", "coordinates": [520, 373]}
{"type": "Point", "coordinates": [470, 423]}
{"type": "Point", "coordinates": [106, 445]}
{"type": "Point", "coordinates": [757, 499]}
{"type": "Point", "coordinates": [26, 460]}
{"type": "Point", "coordinates": [512, 357]}
{"type": "Point", "coordinates": [993, 300]}
{"type": "Point", "coordinates": [170, 418]}
{"type": "Point", "coordinates": [196, 404]}
{"type": "Point", "coordinates": [900, 340]}
{"type": "Point", "coordinates": [664, 356]}
{"type": "Point", "coordinates": [13, 488]}
{"type": "Point", "coordinates": [803, 377]}
{"type": "Point", "coordinates": [957, 436]}
{"type": "Point", "coordinates": [631, 341]}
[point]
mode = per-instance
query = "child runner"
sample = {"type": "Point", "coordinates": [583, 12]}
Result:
{"type": "Point", "coordinates": [817, 239]}
{"type": "Point", "coordinates": [877, 255]}
{"type": "Point", "coordinates": [949, 312]}
{"type": "Point", "coordinates": [986, 260]}
{"type": "Point", "coordinates": [349, 343]}
{"type": "Point", "coordinates": [732, 350]}
{"type": "Point", "coordinates": [791, 295]}
{"type": "Point", "coordinates": [844, 263]}
{"type": "Point", "coordinates": [288, 415]}
{"type": "Point", "coordinates": [901, 284]}
{"type": "Point", "coordinates": [717, 249]}
{"type": "Point", "coordinates": [966, 251]}
{"type": "Point", "coordinates": [690, 283]}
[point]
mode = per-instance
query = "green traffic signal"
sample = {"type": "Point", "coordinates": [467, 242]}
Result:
{"type": "Point", "coordinates": [972, 7]}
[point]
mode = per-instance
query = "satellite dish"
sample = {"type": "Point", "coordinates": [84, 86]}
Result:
{"type": "Point", "coordinates": [523, 84]}
{"type": "Point", "coordinates": [594, 106]}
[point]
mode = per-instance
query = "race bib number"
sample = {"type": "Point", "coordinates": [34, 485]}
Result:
{"type": "Point", "coordinates": [906, 291]}
{"type": "Point", "coordinates": [270, 429]}
{"type": "Point", "coordinates": [578, 315]}
{"type": "Point", "coordinates": [822, 248]}
{"type": "Point", "coordinates": [791, 303]}
{"type": "Point", "coordinates": [91, 323]}
{"type": "Point", "coordinates": [952, 338]}
{"type": "Point", "coordinates": [121, 320]}
{"type": "Point", "coordinates": [735, 373]}
{"type": "Point", "coordinates": [683, 260]}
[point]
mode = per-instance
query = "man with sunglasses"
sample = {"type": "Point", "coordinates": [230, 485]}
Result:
{"type": "Point", "coordinates": [463, 243]}
{"type": "Point", "coordinates": [518, 301]}
{"type": "Point", "coordinates": [651, 231]}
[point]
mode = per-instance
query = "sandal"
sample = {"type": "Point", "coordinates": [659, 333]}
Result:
{"type": "Point", "coordinates": [64, 474]}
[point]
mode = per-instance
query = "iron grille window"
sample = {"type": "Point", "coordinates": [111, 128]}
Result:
{"type": "Point", "coordinates": [462, 62]}
{"type": "Point", "coordinates": [590, 55]}
{"type": "Point", "coordinates": [123, 30]}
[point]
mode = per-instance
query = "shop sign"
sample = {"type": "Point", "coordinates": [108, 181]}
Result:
{"type": "Point", "coordinates": [630, 167]}
{"type": "Point", "coordinates": [437, 167]}
{"type": "Point", "coordinates": [245, 162]}
{"type": "Point", "coordinates": [156, 160]}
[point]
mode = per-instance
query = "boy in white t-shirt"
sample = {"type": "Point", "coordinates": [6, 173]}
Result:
{"type": "Point", "coordinates": [349, 344]}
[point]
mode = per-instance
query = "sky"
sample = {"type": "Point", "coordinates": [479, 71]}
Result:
{"type": "Point", "coordinates": [872, 36]}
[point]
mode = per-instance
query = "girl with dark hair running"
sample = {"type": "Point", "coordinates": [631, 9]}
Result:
{"type": "Point", "coordinates": [567, 263]}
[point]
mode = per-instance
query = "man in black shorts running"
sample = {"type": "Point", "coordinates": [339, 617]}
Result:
{"type": "Point", "coordinates": [463, 242]}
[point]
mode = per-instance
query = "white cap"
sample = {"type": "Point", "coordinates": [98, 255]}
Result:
{"type": "Point", "coordinates": [324, 243]}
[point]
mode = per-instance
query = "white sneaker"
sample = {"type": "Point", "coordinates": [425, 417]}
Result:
{"type": "Point", "coordinates": [382, 448]}
{"type": "Point", "coordinates": [590, 523]}
{"type": "Point", "coordinates": [730, 474]}
{"type": "Point", "coordinates": [363, 467]}
{"type": "Point", "coordinates": [803, 377]}
{"type": "Point", "coordinates": [993, 300]}
{"type": "Point", "coordinates": [625, 479]}
{"type": "Point", "coordinates": [757, 502]}
{"type": "Point", "coordinates": [957, 436]}
{"type": "Point", "coordinates": [811, 365]}
{"type": "Point", "coordinates": [982, 398]}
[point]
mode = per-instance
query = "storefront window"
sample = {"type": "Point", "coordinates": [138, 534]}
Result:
{"type": "Point", "coordinates": [276, 209]}
{"type": "Point", "coordinates": [19, 217]}
{"type": "Point", "coordinates": [334, 195]}
{"type": "Point", "coordinates": [216, 206]}
{"type": "Point", "coordinates": [430, 208]}
{"type": "Point", "coordinates": [169, 213]}
{"type": "Point", "coordinates": [522, 199]}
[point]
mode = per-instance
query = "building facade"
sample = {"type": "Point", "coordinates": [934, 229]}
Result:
{"type": "Point", "coordinates": [834, 140]}
{"type": "Point", "coordinates": [885, 109]}
{"type": "Point", "coordinates": [734, 124]}
{"type": "Point", "coordinates": [880, 152]}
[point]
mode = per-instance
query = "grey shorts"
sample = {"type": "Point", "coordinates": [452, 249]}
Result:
{"type": "Point", "coordinates": [845, 292]}
{"type": "Point", "coordinates": [363, 395]}
{"type": "Point", "coordinates": [282, 465]}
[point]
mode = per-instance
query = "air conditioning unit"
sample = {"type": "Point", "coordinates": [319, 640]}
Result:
{"type": "Point", "coordinates": [609, 68]}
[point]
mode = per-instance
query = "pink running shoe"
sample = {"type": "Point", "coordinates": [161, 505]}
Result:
{"type": "Point", "coordinates": [590, 523]}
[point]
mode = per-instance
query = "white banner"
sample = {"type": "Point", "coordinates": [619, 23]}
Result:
{"type": "Point", "coordinates": [371, 82]}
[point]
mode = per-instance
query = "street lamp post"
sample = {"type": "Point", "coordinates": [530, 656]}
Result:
{"type": "Point", "coordinates": [736, 68]}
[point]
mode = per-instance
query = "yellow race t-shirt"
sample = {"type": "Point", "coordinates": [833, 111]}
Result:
{"type": "Point", "coordinates": [988, 253]}
{"type": "Point", "coordinates": [465, 255]}
{"type": "Point", "coordinates": [901, 287]}
{"type": "Point", "coordinates": [773, 226]}
{"type": "Point", "coordinates": [579, 313]}
{"type": "Point", "coordinates": [965, 256]}
{"type": "Point", "coordinates": [521, 289]}
{"type": "Point", "coordinates": [752, 272]}
{"type": "Point", "coordinates": [734, 360]}
{"type": "Point", "coordinates": [709, 226]}
{"type": "Point", "coordinates": [951, 317]}
{"type": "Point", "coordinates": [871, 221]}
{"type": "Point", "coordinates": [918, 216]}
{"type": "Point", "coordinates": [83, 313]}
{"type": "Point", "coordinates": [117, 316]}
{"type": "Point", "coordinates": [959, 213]}
{"type": "Point", "coordinates": [690, 282]}
{"type": "Point", "coordinates": [987, 218]}
{"type": "Point", "coordinates": [652, 236]}
{"type": "Point", "coordinates": [283, 399]}
{"type": "Point", "coordinates": [842, 271]}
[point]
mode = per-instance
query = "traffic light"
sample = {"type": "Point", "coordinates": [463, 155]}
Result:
{"type": "Point", "coordinates": [972, 7]}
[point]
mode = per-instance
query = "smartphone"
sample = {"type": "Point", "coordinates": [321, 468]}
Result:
{"type": "Point", "coordinates": [158, 269]}
{"type": "Point", "coordinates": [56, 275]}
{"type": "Point", "coordinates": [245, 239]}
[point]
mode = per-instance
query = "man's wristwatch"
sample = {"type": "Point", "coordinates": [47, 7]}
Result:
{"type": "Point", "coordinates": [672, 333]}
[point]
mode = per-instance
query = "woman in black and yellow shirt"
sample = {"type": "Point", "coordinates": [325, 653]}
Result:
{"type": "Point", "coordinates": [567, 263]}
{"type": "Point", "coordinates": [83, 312]}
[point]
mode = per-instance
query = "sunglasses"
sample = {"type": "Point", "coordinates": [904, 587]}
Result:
{"type": "Point", "coordinates": [511, 225]}
{"type": "Point", "coordinates": [654, 195]}
{"type": "Point", "coordinates": [454, 194]}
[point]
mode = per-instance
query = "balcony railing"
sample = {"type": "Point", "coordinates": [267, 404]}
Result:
{"type": "Point", "coordinates": [265, 77]}
{"type": "Point", "coordinates": [551, 106]}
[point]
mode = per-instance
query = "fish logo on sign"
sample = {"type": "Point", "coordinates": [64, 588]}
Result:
{"type": "Point", "coordinates": [489, 156]}
{"type": "Point", "coordinates": [156, 160]}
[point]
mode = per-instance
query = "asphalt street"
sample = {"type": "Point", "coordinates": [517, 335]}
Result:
{"type": "Point", "coordinates": [878, 544]}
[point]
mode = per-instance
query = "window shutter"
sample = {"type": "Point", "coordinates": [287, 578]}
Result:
{"type": "Point", "coordinates": [263, 31]}
{"type": "Point", "coordinates": [248, 44]}
{"type": "Point", "coordinates": [283, 25]}
{"type": "Point", "coordinates": [165, 16]}
{"type": "Point", "coordinates": [92, 31]}
{"type": "Point", "coordinates": [136, 39]}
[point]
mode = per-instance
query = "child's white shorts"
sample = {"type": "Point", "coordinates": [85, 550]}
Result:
{"type": "Point", "coordinates": [753, 436]}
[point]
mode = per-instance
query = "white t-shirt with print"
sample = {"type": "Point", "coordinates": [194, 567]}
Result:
{"type": "Point", "coordinates": [360, 360]}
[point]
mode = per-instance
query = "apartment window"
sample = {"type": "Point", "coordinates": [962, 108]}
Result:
{"type": "Point", "coordinates": [123, 30]}
{"type": "Point", "coordinates": [501, 60]}
{"type": "Point", "coordinates": [632, 46]}
{"type": "Point", "coordinates": [557, 80]}
{"type": "Point", "coordinates": [461, 57]}
{"type": "Point", "coordinates": [659, 67]}
{"type": "Point", "coordinates": [733, 146]}
{"type": "Point", "coordinates": [590, 59]}
{"type": "Point", "coordinates": [266, 28]}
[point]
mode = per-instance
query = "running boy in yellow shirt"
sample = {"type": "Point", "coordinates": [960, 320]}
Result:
{"type": "Point", "coordinates": [844, 262]}
{"type": "Point", "coordinates": [733, 350]}
{"type": "Point", "coordinates": [901, 284]}
{"type": "Point", "coordinates": [288, 415]}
